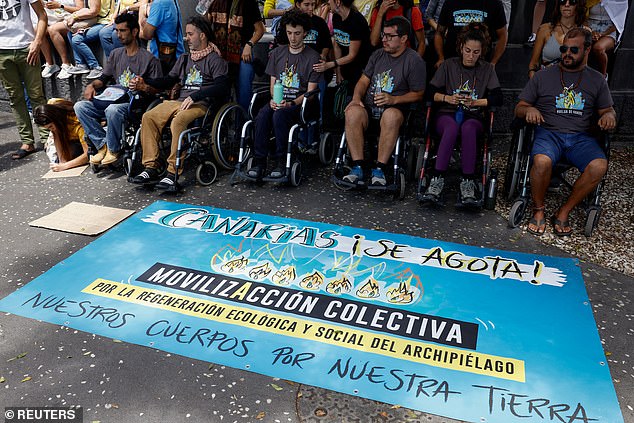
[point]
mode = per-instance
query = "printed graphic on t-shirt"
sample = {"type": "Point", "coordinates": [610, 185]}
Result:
{"type": "Point", "coordinates": [126, 77]}
{"type": "Point", "coordinates": [466, 16]}
{"type": "Point", "coordinates": [385, 81]}
{"type": "Point", "coordinates": [9, 9]}
{"type": "Point", "coordinates": [467, 89]}
{"type": "Point", "coordinates": [342, 38]}
{"type": "Point", "coordinates": [290, 82]}
{"type": "Point", "coordinates": [311, 37]}
{"type": "Point", "coordinates": [570, 102]}
{"type": "Point", "coordinates": [194, 79]}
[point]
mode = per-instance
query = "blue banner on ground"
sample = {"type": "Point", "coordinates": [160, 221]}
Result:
{"type": "Point", "coordinates": [464, 332]}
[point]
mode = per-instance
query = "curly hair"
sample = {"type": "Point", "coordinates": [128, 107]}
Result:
{"type": "Point", "coordinates": [294, 18]}
{"type": "Point", "coordinates": [475, 31]}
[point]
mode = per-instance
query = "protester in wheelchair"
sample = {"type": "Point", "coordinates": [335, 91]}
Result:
{"type": "Point", "coordinates": [462, 88]}
{"type": "Point", "coordinates": [123, 65]}
{"type": "Point", "coordinates": [561, 101]}
{"type": "Point", "coordinates": [292, 66]}
{"type": "Point", "coordinates": [393, 79]}
{"type": "Point", "coordinates": [202, 78]}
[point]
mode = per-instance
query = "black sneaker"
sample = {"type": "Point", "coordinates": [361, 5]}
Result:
{"type": "Point", "coordinates": [256, 172]}
{"type": "Point", "coordinates": [167, 182]}
{"type": "Point", "coordinates": [148, 176]}
{"type": "Point", "coordinates": [279, 170]}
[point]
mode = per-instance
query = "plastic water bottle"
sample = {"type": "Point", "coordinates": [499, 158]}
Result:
{"type": "Point", "coordinates": [377, 111]}
{"type": "Point", "coordinates": [278, 92]}
{"type": "Point", "coordinates": [203, 6]}
{"type": "Point", "coordinates": [459, 114]}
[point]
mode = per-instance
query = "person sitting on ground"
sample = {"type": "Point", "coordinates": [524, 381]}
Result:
{"type": "Point", "coordinates": [292, 65]}
{"type": "Point", "coordinates": [459, 13]}
{"type": "Point", "coordinates": [462, 87]}
{"type": "Point", "coordinates": [393, 79]}
{"type": "Point", "coordinates": [203, 76]}
{"type": "Point", "coordinates": [604, 34]}
{"type": "Point", "coordinates": [561, 100]}
{"type": "Point", "coordinates": [56, 12]}
{"type": "Point", "coordinates": [238, 27]}
{"type": "Point", "coordinates": [85, 60]}
{"type": "Point", "coordinates": [386, 10]}
{"type": "Point", "coordinates": [123, 65]}
{"type": "Point", "coordinates": [160, 23]}
{"type": "Point", "coordinates": [58, 117]}
{"type": "Point", "coordinates": [567, 15]}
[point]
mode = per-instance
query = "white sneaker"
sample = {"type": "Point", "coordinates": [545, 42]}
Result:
{"type": "Point", "coordinates": [63, 73]}
{"type": "Point", "coordinates": [49, 70]}
{"type": "Point", "coordinates": [333, 81]}
{"type": "Point", "coordinates": [78, 69]}
{"type": "Point", "coordinates": [95, 73]}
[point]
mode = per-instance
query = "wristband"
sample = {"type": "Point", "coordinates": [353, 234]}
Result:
{"type": "Point", "coordinates": [250, 44]}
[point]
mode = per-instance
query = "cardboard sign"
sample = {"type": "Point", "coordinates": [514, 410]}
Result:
{"type": "Point", "coordinates": [464, 332]}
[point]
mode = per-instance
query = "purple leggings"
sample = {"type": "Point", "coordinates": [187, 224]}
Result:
{"type": "Point", "coordinates": [447, 129]}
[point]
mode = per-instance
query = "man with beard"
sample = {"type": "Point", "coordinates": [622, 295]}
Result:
{"type": "Point", "coordinates": [292, 65]}
{"type": "Point", "coordinates": [561, 101]}
{"type": "Point", "coordinates": [393, 79]}
{"type": "Point", "coordinates": [123, 65]}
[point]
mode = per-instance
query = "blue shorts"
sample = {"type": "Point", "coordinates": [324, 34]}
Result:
{"type": "Point", "coordinates": [578, 149]}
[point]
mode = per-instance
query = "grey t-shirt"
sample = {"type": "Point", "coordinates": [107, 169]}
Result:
{"type": "Point", "coordinates": [395, 75]}
{"type": "Point", "coordinates": [122, 68]}
{"type": "Point", "coordinates": [200, 75]}
{"type": "Point", "coordinates": [567, 100]}
{"type": "Point", "coordinates": [453, 78]}
{"type": "Point", "coordinates": [294, 71]}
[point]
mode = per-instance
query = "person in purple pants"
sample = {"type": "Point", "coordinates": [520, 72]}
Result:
{"type": "Point", "coordinates": [462, 88]}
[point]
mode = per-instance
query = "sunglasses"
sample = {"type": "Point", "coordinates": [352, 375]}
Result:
{"type": "Point", "coordinates": [573, 49]}
{"type": "Point", "coordinates": [41, 120]}
{"type": "Point", "coordinates": [388, 36]}
{"type": "Point", "coordinates": [570, 2]}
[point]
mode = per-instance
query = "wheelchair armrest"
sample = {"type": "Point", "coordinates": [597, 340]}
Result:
{"type": "Point", "coordinates": [307, 96]}
{"type": "Point", "coordinates": [260, 97]}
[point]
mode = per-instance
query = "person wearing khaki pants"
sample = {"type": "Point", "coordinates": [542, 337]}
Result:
{"type": "Point", "coordinates": [202, 76]}
{"type": "Point", "coordinates": [20, 67]}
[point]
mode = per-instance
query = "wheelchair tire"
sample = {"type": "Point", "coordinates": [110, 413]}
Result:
{"type": "Point", "coordinates": [591, 221]}
{"type": "Point", "coordinates": [513, 166]}
{"type": "Point", "coordinates": [225, 134]}
{"type": "Point", "coordinates": [206, 173]}
{"type": "Point", "coordinates": [295, 178]}
{"type": "Point", "coordinates": [516, 214]}
{"type": "Point", "coordinates": [327, 148]}
{"type": "Point", "coordinates": [399, 194]}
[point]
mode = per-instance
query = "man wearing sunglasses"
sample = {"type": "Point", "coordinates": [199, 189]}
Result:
{"type": "Point", "coordinates": [396, 76]}
{"type": "Point", "coordinates": [561, 101]}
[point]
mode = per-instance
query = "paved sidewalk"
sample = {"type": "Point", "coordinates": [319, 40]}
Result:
{"type": "Point", "coordinates": [120, 382]}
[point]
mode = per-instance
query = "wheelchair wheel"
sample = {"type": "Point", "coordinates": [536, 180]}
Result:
{"type": "Point", "coordinates": [591, 221]}
{"type": "Point", "coordinates": [295, 177]}
{"type": "Point", "coordinates": [327, 148]}
{"type": "Point", "coordinates": [226, 132]}
{"type": "Point", "coordinates": [513, 165]}
{"type": "Point", "coordinates": [206, 173]}
{"type": "Point", "coordinates": [399, 194]}
{"type": "Point", "coordinates": [516, 215]}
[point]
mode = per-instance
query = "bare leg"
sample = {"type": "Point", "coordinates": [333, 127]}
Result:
{"type": "Point", "coordinates": [538, 14]}
{"type": "Point", "coordinates": [391, 122]}
{"type": "Point", "coordinates": [356, 124]}
{"type": "Point", "coordinates": [46, 51]}
{"type": "Point", "coordinates": [541, 171]}
{"type": "Point", "coordinates": [58, 33]}
{"type": "Point", "coordinates": [600, 49]}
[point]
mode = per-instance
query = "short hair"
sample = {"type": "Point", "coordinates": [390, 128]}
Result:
{"type": "Point", "coordinates": [475, 31]}
{"type": "Point", "coordinates": [203, 26]}
{"type": "Point", "coordinates": [403, 27]}
{"type": "Point", "coordinates": [580, 32]}
{"type": "Point", "coordinates": [130, 19]}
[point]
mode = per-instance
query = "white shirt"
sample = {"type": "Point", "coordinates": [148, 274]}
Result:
{"type": "Point", "coordinates": [16, 25]}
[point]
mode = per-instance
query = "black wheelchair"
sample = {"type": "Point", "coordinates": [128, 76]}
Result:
{"type": "Point", "coordinates": [304, 141]}
{"type": "Point", "coordinates": [207, 140]}
{"type": "Point", "coordinates": [517, 176]}
{"type": "Point", "coordinates": [426, 156]}
{"type": "Point", "coordinates": [401, 162]}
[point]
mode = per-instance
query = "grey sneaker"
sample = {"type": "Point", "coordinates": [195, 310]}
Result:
{"type": "Point", "coordinates": [78, 69]}
{"type": "Point", "coordinates": [468, 191]}
{"type": "Point", "coordinates": [355, 175]}
{"type": "Point", "coordinates": [49, 70]}
{"type": "Point", "coordinates": [95, 73]}
{"type": "Point", "coordinates": [378, 178]}
{"type": "Point", "coordinates": [435, 188]}
{"type": "Point", "coordinates": [63, 73]}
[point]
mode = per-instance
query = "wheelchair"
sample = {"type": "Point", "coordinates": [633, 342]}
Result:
{"type": "Point", "coordinates": [426, 155]}
{"type": "Point", "coordinates": [207, 141]}
{"type": "Point", "coordinates": [401, 162]}
{"type": "Point", "coordinates": [304, 141]}
{"type": "Point", "coordinates": [517, 177]}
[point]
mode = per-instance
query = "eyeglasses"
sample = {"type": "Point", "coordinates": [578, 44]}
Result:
{"type": "Point", "coordinates": [570, 2]}
{"type": "Point", "coordinates": [388, 36]}
{"type": "Point", "coordinates": [564, 48]}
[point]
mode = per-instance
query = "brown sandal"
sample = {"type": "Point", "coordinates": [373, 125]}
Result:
{"type": "Point", "coordinates": [540, 224]}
